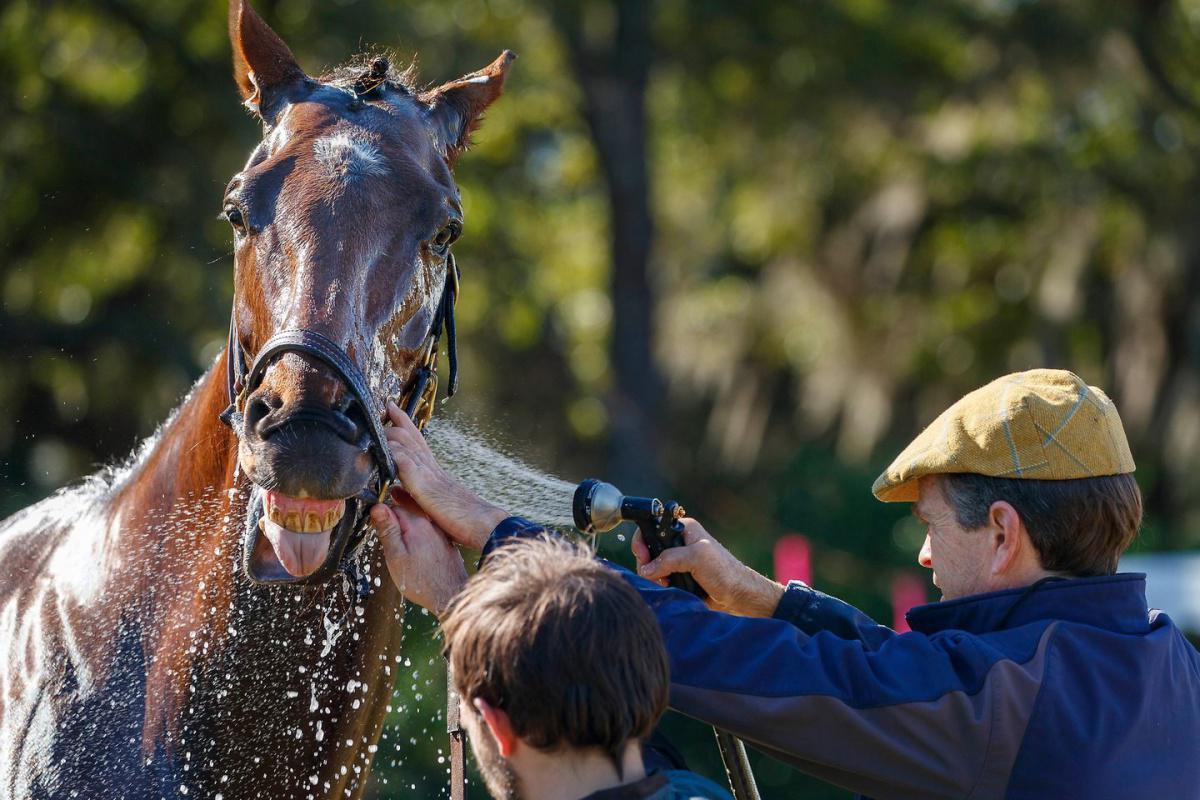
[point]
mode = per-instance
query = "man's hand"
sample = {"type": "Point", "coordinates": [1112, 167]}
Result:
{"type": "Point", "coordinates": [424, 565]}
{"type": "Point", "coordinates": [732, 586]}
{"type": "Point", "coordinates": [465, 517]}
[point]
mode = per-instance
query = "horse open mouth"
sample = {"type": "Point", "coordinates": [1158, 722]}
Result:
{"type": "Point", "coordinates": [291, 539]}
{"type": "Point", "coordinates": [298, 530]}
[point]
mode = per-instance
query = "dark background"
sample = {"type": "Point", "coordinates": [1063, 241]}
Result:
{"type": "Point", "coordinates": [738, 252]}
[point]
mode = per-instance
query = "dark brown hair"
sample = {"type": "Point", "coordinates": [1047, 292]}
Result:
{"type": "Point", "coordinates": [562, 644]}
{"type": "Point", "coordinates": [1079, 527]}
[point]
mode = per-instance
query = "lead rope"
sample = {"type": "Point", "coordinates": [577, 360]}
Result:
{"type": "Point", "coordinates": [458, 739]}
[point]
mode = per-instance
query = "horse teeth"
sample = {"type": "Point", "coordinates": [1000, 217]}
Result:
{"type": "Point", "coordinates": [331, 518]}
{"type": "Point", "coordinates": [276, 516]}
{"type": "Point", "coordinates": [292, 521]}
{"type": "Point", "coordinates": [312, 523]}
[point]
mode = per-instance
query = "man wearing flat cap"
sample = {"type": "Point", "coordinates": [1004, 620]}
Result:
{"type": "Point", "coordinates": [1040, 674]}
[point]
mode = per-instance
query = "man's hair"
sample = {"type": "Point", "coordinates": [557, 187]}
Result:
{"type": "Point", "coordinates": [562, 644]}
{"type": "Point", "coordinates": [1078, 527]}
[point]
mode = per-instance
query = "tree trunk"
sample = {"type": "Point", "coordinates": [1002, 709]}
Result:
{"type": "Point", "coordinates": [612, 67]}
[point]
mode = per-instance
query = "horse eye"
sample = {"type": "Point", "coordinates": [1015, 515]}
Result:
{"type": "Point", "coordinates": [234, 215]}
{"type": "Point", "coordinates": [447, 235]}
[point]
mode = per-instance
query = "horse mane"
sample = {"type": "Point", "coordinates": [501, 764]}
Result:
{"type": "Point", "coordinates": [367, 70]}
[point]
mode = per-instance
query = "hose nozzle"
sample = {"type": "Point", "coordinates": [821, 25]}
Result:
{"type": "Point", "coordinates": [600, 507]}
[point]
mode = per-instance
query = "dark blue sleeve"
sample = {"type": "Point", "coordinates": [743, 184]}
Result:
{"type": "Point", "coordinates": [812, 612]}
{"type": "Point", "coordinates": [886, 716]}
{"type": "Point", "coordinates": [510, 528]}
{"type": "Point", "coordinates": [801, 605]}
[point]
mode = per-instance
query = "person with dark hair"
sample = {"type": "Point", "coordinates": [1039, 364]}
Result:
{"type": "Point", "coordinates": [1041, 673]}
{"type": "Point", "coordinates": [559, 666]}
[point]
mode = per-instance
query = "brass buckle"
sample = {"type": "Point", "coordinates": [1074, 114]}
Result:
{"type": "Point", "coordinates": [239, 402]}
{"type": "Point", "coordinates": [425, 406]}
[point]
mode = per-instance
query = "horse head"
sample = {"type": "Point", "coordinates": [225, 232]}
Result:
{"type": "Point", "coordinates": [343, 219]}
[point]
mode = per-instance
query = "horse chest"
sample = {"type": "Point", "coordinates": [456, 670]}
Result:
{"type": "Point", "coordinates": [189, 691]}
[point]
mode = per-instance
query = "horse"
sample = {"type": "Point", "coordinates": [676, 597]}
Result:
{"type": "Point", "coordinates": [211, 619]}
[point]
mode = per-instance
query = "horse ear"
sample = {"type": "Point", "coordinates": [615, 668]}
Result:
{"type": "Point", "coordinates": [456, 108]}
{"type": "Point", "coordinates": [262, 63]}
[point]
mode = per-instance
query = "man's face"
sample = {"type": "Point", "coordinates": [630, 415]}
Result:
{"type": "Point", "coordinates": [497, 773]}
{"type": "Point", "coordinates": [958, 557]}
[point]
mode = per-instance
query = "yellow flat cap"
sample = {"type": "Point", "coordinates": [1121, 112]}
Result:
{"type": "Point", "coordinates": [1046, 424]}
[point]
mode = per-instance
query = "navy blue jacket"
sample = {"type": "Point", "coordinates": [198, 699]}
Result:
{"type": "Point", "coordinates": [1064, 689]}
{"type": "Point", "coordinates": [674, 784]}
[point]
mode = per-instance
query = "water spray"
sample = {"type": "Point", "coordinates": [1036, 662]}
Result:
{"type": "Point", "coordinates": [599, 507]}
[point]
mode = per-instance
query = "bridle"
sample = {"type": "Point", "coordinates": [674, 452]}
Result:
{"type": "Point", "coordinates": [417, 399]}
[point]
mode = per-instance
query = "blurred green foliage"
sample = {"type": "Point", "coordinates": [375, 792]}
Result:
{"type": "Point", "coordinates": [863, 210]}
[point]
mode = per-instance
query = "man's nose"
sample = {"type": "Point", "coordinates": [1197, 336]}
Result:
{"type": "Point", "coordinates": [925, 557]}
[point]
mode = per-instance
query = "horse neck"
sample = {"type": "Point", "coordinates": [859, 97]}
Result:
{"type": "Point", "coordinates": [191, 460]}
{"type": "Point", "coordinates": [174, 517]}
{"type": "Point", "coordinates": [206, 684]}
{"type": "Point", "coordinates": [178, 518]}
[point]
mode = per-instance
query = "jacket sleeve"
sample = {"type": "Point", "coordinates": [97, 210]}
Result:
{"type": "Point", "coordinates": [511, 528]}
{"type": "Point", "coordinates": [801, 605]}
{"type": "Point", "coordinates": [899, 716]}
{"type": "Point", "coordinates": [813, 612]}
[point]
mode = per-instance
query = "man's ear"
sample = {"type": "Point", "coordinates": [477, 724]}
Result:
{"type": "Point", "coordinates": [263, 66]}
{"type": "Point", "coordinates": [1011, 547]}
{"type": "Point", "coordinates": [456, 108]}
{"type": "Point", "coordinates": [499, 726]}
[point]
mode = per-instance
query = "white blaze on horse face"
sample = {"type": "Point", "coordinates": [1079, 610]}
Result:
{"type": "Point", "coordinates": [346, 158]}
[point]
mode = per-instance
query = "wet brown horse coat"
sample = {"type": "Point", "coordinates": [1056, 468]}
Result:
{"type": "Point", "coordinates": [136, 658]}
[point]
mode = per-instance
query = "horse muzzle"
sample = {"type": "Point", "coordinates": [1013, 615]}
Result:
{"type": "Point", "coordinates": [310, 468]}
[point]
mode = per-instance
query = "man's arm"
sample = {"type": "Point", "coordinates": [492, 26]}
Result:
{"type": "Point", "coordinates": [914, 717]}
{"type": "Point", "coordinates": [457, 511]}
{"type": "Point", "coordinates": [424, 565]}
{"type": "Point", "coordinates": [732, 587]}
{"type": "Point", "coordinates": [815, 612]}
{"type": "Point", "coordinates": [737, 589]}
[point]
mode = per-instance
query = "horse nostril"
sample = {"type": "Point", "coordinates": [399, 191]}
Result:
{"type": "Point", "coordinates": [257, 410]}
{"type": "Point", "coordinates": [344, 403]}
{"type": "Point", "coordinates": [349, 409]}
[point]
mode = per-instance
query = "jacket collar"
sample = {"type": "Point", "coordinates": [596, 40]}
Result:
{"type": "Point", "coordinates": [1112, 602]}
{"type": "Point", "coordinates": [651, 787]}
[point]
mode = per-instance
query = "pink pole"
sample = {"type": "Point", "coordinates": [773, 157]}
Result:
{"type": "Point", "coordinates": [793, 559]}
{"type": "Point", "coordinates": [907, 591]}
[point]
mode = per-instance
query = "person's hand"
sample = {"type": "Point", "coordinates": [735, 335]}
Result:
{"type": "Point", "coordinates": [424, 565]}
{"type": "Point", "coordinates": [732, 586]}
{"type": "Point", "coordinates": [465, 517]}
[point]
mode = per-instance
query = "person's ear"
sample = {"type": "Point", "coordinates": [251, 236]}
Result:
{"type": "Point", "coordinates": [1008, 538]}
{"type": "Point", "coordinates": [456, 108]}
{"type": "Point", "coordinates": [499, 726]}
{"type": "Point", "coordinates": [263, 66]}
